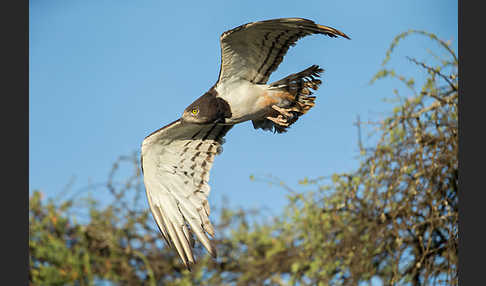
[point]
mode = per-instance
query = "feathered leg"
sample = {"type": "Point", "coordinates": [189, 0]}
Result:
{"type": "Point", "coordinates": [299, 86]}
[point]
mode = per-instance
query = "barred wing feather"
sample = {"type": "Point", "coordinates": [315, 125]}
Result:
{"type": "Point", "coordinates": [176, 161]}
{"type": "Point", "coordinates": [253, 51]}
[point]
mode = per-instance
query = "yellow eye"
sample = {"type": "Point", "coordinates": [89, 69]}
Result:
{"type": "Point", "coordinates": [195, 111]}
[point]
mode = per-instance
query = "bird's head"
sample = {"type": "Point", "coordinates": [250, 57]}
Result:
{"type": "Point", "coordinates": [206, 109]}
{"type": "Point", "coordinates": [193, 114]}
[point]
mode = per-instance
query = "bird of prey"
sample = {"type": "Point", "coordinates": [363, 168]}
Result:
{"type": "Point", "coordinates": [177, 158]}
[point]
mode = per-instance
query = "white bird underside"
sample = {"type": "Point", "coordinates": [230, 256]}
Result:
{"type": "Point", "coordinates": [247, 100]}
{"type": "Point", "coordinates": [177, 159]}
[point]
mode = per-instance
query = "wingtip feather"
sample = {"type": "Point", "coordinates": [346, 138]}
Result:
{"type": "Point", "coordinates": [332, 31]}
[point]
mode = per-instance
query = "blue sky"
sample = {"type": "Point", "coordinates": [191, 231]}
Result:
{"type": "Point", "coordinates": [104, 74]}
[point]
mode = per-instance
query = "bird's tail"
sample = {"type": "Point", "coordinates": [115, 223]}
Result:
{"type": "Point", "coordinates": [300, 87]}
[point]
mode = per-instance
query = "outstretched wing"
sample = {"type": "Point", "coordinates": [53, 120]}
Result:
{"type": "Point", "coordinates": [176, 161]}
{"type": "Point", "coordinates": [254, 50]}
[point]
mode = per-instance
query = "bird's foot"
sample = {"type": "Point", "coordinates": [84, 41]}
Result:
{"type": "Point", "coordinates": [279, 120]}
{"type": "Point", "coordinates": [285, 111]}
{"type": "Point", "coordinates": [286, 117]}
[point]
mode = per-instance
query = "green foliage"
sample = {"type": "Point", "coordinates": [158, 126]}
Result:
{"type": "Point", "coordinates": [395, 218]}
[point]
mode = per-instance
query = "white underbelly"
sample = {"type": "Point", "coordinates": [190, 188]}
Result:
{"type": "Point", "coordinates": [243, 98]}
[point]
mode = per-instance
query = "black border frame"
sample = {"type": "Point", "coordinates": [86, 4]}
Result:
{"type": "Point", "coordinates": [15, 134]}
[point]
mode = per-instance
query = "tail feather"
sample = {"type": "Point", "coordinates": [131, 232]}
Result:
{"type": "Point", "coordinates": [301, 86]}
{"type": "Point", "coordinates": [299, 83]}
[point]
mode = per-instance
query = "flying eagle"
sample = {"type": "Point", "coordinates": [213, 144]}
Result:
{"type": "Point", "coordinates": [177, 158]}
